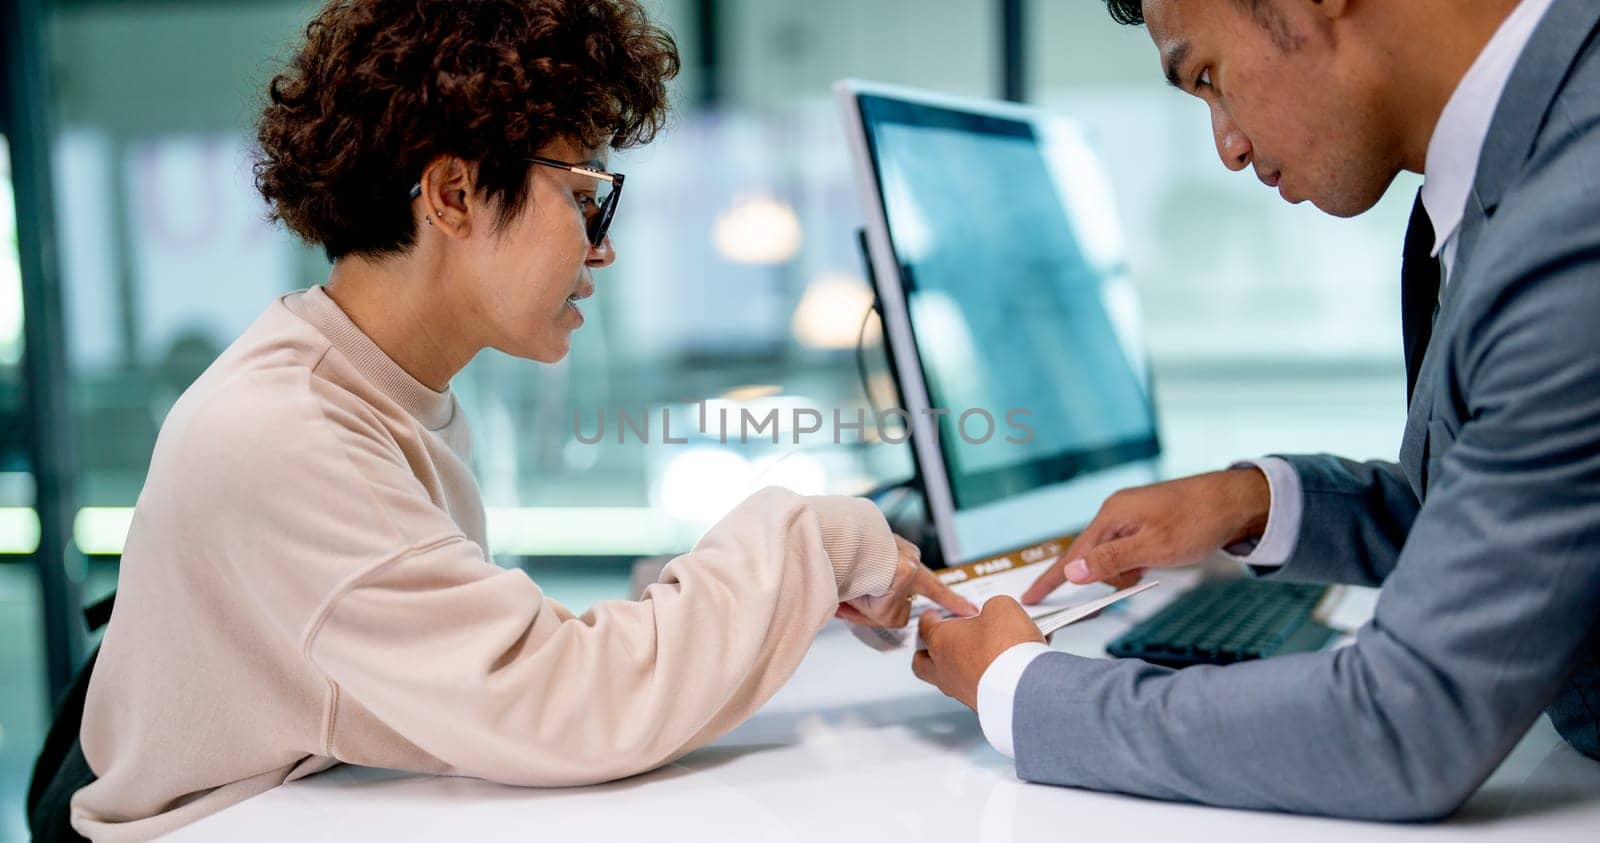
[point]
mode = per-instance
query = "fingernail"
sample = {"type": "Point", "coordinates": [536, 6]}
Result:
{"type": "Point", "coordinates": [1078, 570]}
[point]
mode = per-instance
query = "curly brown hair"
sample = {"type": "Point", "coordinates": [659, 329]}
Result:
{"type": "Point", "coordinates": [380, 88]}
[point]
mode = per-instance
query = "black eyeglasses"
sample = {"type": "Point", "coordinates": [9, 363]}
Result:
{"type": "Point", "coordinates": [597, 220]}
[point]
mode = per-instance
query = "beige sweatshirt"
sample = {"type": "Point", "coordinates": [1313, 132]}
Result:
{"type": "Point", "coordinates": [306, 582]}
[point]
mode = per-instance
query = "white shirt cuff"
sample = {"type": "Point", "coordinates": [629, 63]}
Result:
{"type": "Point", "coordinates": [1277, 543]}
{"type": "Point", "coordinates": [997, 692]}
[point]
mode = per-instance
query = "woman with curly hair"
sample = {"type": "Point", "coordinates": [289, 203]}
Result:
{"type": "Point", "coordinates": [307, 578]}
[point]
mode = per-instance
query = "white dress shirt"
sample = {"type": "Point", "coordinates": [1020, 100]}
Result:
{"type": "Point", "coordinates": [1457, 142]}
{"type": "Point", "coordinates": [1449, 172]}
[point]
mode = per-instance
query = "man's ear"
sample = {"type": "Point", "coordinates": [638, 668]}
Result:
{"type": "Point", "coordinates": [1331, 9]}
{"type": "Point", "coordinates": [449, 186]}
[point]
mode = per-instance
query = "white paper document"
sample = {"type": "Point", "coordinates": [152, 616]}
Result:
{"type": "Point", "coordinates": [1065, 617]}
{"type": "Point", "coordinates": [1066, 605]}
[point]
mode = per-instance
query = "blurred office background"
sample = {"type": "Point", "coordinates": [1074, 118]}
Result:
{"type": "Point", "coordinates": [129, 227]}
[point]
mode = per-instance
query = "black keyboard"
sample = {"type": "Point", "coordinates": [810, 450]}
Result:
{"type": "Point", "coordinates": [1225, 622]}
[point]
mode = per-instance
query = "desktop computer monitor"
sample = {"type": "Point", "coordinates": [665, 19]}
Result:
{"type": "Point", "coordinates": [1013, 332]}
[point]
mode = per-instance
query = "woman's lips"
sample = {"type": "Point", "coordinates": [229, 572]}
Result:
{"type": "Point", "coordinates": [583, 292]}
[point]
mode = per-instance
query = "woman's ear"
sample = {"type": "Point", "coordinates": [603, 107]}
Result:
{"type": "Point", "coordinates": [449, 186]}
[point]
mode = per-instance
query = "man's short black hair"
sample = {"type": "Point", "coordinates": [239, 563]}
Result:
{"type": "Point", "coordinates": [1132, 12]}
{"type": "Point", "coordinates": [1126, 11]}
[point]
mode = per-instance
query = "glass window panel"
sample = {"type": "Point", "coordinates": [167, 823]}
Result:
{"type": "Point", "coordinates": [23, 715]}
{"type": "Point", "coordinates": [1271, 327]}
{"type": "Point", "coordinates": [738, 277]}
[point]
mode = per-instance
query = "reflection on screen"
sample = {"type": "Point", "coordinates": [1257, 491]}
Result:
{"type": "Point", "coordinates": [1008, 315]}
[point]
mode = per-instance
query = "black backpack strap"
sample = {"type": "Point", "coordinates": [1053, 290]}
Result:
{"type": "Point", "coordinates": [50, 819]}
{"type": "Point", "coordinates": [61, 769]}
{"type": "Point", "coordinates": [99, 613]}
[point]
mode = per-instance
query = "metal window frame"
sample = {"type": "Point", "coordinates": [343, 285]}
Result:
{"type": "Point", "coordinates": [1013, 50]}
{"type": "Point", "coordinates": [25, 105]}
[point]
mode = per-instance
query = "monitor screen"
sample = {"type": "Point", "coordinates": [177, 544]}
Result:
{"type": "Point", "coordinates": [1011, 318]}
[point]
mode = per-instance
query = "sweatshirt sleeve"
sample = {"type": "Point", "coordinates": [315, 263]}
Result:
{"type": "Point", "coordinates": [471, 664]}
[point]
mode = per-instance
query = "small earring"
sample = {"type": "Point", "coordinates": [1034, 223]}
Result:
{"type": "Point", "coordinates": [428, 219]}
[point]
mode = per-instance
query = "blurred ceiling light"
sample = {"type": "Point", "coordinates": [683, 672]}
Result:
{"type": "Point", "coordinates": [578, 456]}
{"type": "Point", "coordinates": [10, 273]}
{"type": "Point", "coordinates": [800, 473]}
{"type": "Point", "coordinates": [19, 530]}
{"type": "Point", "coordinates": [757, 229]}
{"type": "Point", "coordinates": [752, 392]}
{"type": "Point", "coordinates": [701, 485]}
{"type": "Point", "coordinates": [582, 531]}
{"type": "Point", "coordinates": [830, 312]}
{"type": "Point", "coordinates": [102, 530]}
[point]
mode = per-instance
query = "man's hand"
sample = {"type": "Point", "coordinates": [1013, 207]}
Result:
{"type": "Point", "coordinates": [961, 649]}
{"type": "Point", "coordinates": [1165, 525]}
{"type": "Point", "coordinates": [911, 577]}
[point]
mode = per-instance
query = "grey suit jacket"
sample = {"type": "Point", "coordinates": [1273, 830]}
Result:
{"type": "Point", "coordinates": [1485, 536]}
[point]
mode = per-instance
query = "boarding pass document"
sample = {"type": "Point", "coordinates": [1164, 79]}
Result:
{"type": "Point", "coordinates": [1048, 624]}
{"type": "Point", "coordinates": [1008, 574]}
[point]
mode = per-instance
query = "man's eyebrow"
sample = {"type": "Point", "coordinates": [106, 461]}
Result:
{"type": "Point", "coordinates": [1174, 58]}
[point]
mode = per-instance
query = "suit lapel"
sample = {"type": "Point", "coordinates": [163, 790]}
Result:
{"type": "Point", "coordinates": [1535, 82]}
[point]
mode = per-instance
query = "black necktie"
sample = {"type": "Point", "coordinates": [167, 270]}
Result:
{"type": "Point", "coordinates": [1420, 273]}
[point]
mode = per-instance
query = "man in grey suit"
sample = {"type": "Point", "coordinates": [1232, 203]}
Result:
{"type": "Point", "coordinates": [1485, 536]}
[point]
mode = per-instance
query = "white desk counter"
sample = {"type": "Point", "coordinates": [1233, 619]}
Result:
{"type": "Point", "coordinates": [855, 748]}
